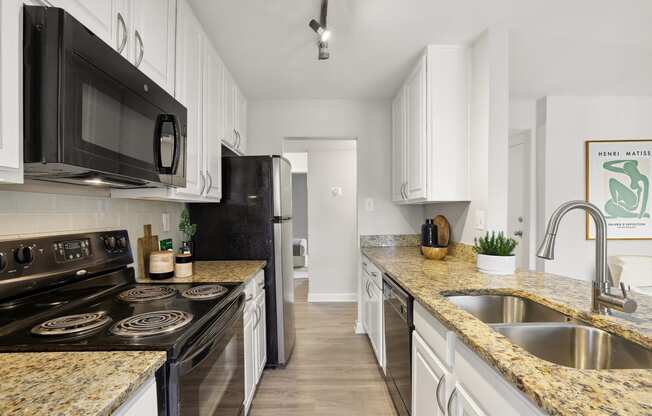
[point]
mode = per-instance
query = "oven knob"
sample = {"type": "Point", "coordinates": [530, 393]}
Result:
{"type": "Point", "coordinates": [109, 243]}
{"type": "Point", "coordinates": [3, 261]}
{"type": "Point", "coordinates": [122, 242]}
{"type": "Point", "coordinates": [24, 255]}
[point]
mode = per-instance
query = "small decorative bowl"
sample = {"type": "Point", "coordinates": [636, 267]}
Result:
{"type": "Point", "coordinates": [434, 253]}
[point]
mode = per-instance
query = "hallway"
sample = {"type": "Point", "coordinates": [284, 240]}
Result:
{"type": "Point", "coordinates": [332, 371]}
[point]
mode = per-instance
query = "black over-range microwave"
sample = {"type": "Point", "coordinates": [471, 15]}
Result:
{"type": "Point", "coordinates": [90, 116]}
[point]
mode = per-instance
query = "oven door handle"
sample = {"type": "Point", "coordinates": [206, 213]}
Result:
{"type": "Point", "coordinates": [196, 355]}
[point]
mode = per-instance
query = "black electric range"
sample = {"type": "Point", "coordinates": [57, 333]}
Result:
{"type": "Point", "coordinates": [78, 293]}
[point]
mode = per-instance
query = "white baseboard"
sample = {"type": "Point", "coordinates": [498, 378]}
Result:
{"type": "Point", "coordinates": [332, 297]}
{"type": "Point", "coordinates": [359, 329]}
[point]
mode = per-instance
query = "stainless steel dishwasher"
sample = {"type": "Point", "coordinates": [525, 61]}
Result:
{"type": "Point", "coordinates": [398, 344]}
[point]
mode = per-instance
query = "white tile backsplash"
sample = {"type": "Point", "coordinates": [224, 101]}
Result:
{"type": "Point", "coordinates": [33, 213]}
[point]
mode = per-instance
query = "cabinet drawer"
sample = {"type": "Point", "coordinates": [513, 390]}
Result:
{"type": "Point", "coordinates": [435, 334]}
{"type": "Point", "coordinates": [372, 271]}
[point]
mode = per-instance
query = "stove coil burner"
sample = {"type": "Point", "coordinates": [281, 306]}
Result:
{"type": "Point", "coordinates": [151, 323]}
{"type": "Point", "coordinates": [147, 293]}
{"type": "Point", "coordinates": [72, 324]}
{"type": "Point", "coordinates": [205, 292]}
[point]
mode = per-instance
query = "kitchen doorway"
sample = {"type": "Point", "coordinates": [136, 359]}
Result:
{"type": "Point", "coordinates": [329, 238]}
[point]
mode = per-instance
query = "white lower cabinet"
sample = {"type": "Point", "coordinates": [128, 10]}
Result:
{"type": "Point", "coordinates": [370, 308]}
{"type": "Point", "coordinates": [255, 335]}
{"type": "Point", "coordinates": [141, 403]}
{"type": "Point", "coordinates": [448, 379]}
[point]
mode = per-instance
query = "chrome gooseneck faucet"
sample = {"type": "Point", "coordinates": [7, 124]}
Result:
{"type": "Point", "coordinates": [602, 299]}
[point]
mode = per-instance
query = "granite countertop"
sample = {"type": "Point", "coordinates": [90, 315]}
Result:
{"type": "Point", "coordinates": [228, 271]}
{"type": "Point", "coordinates": [556, 389]}
{"type": "Point", "coordinates": [73, 383]}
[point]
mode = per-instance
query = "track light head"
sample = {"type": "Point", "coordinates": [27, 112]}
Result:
{"type": "Point", "coordinates": [323, 51]}
{"type": "Point", "coordinates": [324, 34]}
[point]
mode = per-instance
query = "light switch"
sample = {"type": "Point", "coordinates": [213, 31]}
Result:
{"type": "Point", "coordinates": [165, 219]}
{"type": "Point", "coordinates": [336, 191]}
{"type": "Point", "coordinates": [369, 204]}
{"type": "Point", "coordinates": [480, 220]}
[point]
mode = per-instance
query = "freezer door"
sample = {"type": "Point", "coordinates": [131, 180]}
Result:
{"type": "Point", "coordinates": [284, 289]}
{"type": "Point", "coordinates": [282, 188]}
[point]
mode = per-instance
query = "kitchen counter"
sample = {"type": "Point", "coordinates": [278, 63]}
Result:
{"type": "Point", "coordinates": [231, 271]}
{"type": "Point", "coordinates": [556, 389]}
{"type": "Point", "coordinates": [73, 383]}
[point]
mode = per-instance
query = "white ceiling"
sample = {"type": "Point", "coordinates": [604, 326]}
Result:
{"type": "Point", "coordinates": [585, 47]}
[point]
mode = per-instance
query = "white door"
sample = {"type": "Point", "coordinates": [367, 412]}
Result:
{"type": "Point", "coordinates": [461, 403]}
{"type": "Point", "coordinates": [250, 360]}
{"type": "Point", "coordinates": [429, 380]}
{"type": "Point", "coordinates": [261, 335]}
{"type": "Point", "coordinates": [230, 102]}
{"type": "Point", "coordinates": [398, 147]}
{"type": "Point", "coordinates": [519, 195]}
{"type": "Point", "coordinates": [190, 39]}
{"type": "Point", "coordinates": [153, 40]}
{"type": "Point", "coordinates": [212, 121]}
{"type": "Point", "coordinates": [416, 133]}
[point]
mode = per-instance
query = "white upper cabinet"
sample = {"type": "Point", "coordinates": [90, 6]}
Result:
{"type": "Point", "coordinates": [430, 134]}
{"type": "Point", "coordinates": [153, 40]}
{"type": "Point", "coordinates": [235, 115]}
{"type": "Point", "coordinates": [11, 58]}
{"type": "Point", "coordinates": [241, 127]}
{"type": "Point", "coordinates": [213, 121]}
{"type": "Point", "coordinates": [102, 18]}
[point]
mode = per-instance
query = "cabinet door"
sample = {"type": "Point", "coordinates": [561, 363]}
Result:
{"type": "Point", "coordinates": [230, 102]}
{"type": "Point", "coordinates": [398, 147]}
{"type": "Point", "coordinates": [101, 17]}
{"type": "Point", "coordinates": [261, 338]}
{"type": "Point", "coordinates": [366, 305]}
{"type": "Point", "coordinates": [429, 380]}
{"type": "Point", "coordinates": [461, 403]}
{"type": "Point", "coordinates": [417, 133]}
{"type": "Point", "coordinates": [212, 121]}
{"type": "Point", "coordinates": [153, 40]}
{"type": "Point", "coordinates": [250, 359]}
{"type": "Point", "coordinates": [190, 39]}
{"type": "Point", "coordinates": [11, 55]}
{"type": "Point", "coordinates": [242, 122]}
{"type": "Point", "coordinates": [375, 322]}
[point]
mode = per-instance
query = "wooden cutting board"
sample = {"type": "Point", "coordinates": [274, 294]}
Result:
{"type": "Point", "coordinates": [443, 230]}
{"type": "Point", "coordinates": [146, 245]}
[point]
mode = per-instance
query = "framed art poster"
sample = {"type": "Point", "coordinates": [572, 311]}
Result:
{"type": "Point", "coordinates": [618, 175]}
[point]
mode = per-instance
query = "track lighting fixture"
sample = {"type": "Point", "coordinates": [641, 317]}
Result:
{"type": "Point", "coordinates": [321, 29]}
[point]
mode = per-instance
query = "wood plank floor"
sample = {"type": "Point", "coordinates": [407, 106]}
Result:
{"type": "Point", "coordinates": [332, 371]}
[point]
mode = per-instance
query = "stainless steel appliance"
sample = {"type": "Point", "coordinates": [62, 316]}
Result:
{"type": "Point", "coordinates": [77, 293]}
{"type": "Point", "coordinates": [91, 117]}
{"type": "Point", "coordinates": [254, 222]}
{"type": "Point", "coordinates": [397, 309]}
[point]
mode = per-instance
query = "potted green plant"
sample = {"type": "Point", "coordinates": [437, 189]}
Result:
{"type": "Point", "coordinates": [188, 230]}
{"type": "Point", "coordinates": [496, 253]}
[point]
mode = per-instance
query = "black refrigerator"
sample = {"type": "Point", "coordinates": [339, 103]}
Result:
{"type": "Point", "coordinates": [253, 221]}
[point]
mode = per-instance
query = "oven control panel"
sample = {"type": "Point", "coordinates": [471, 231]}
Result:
{"type": "Point", "coordinates": [72, 250]}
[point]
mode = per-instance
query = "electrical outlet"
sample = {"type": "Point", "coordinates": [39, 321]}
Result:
{"type": "Point", "coordinates": [165, 219]}
{"type": "Point", "coordinates": [480, 220]}
{"type": "Point", "coordinates": [369, 204]}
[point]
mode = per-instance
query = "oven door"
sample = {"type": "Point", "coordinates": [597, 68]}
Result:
{"type": "Point", "coordinates": [208, 378]}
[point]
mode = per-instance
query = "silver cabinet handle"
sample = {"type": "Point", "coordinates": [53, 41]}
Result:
{"type": "Point", "coordinates": [203, 182]}
{"type": "Point", "coordinates": [141, 49]}
{"type": "Point", "coordinates": [374, 274]}
{"type": "Point", "coordinates": [439, 384]}
{"type": "Point", "coordinates": [210, 182]}
{"type": "Point", "coordinates": [257, 312]}
{"type": "Point", "coordinates": [250, 297]}
{"type": "Point", "coordinates": [364, 264]}
{"type": "Point", "coordinates": [239, 138]}
{"type": "Point", "coordinates": [123, 42]}
{"type": "Point", "coordinates": [235, 139]}
{"type": "Point", "coordinates": [368, 289]}
{"type": "Point", "coordinates": [450, 401]}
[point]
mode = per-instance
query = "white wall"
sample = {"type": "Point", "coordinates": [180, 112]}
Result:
{"type": "Point", "coordinates": [565, 124]}
{"type": "Point", "coordinates": [298, 160]}
{"type": "Point", "coordinates": [271, 121]}
{"type": "Point", "coordinates": [489, 133]}
{"type": "Point", "coordinates": [38, 213]}
{"type": "Point", "coordinates": [332, 225]}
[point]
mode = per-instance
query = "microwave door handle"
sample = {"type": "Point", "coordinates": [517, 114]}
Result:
{"type": "Point", "coordinates": [177, 144]}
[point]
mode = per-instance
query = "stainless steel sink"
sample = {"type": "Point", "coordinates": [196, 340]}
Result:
{"type": "Point", "coordinates": [499, 309]}
{"type": "Point", "coordinates": [577, 346]}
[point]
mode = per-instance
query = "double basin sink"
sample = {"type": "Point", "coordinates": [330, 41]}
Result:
{"type": "Point", "coordinates": [553, 336]}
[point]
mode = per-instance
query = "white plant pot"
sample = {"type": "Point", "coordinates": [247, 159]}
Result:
{"type": "Point", "coordinates": [496, 264]}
